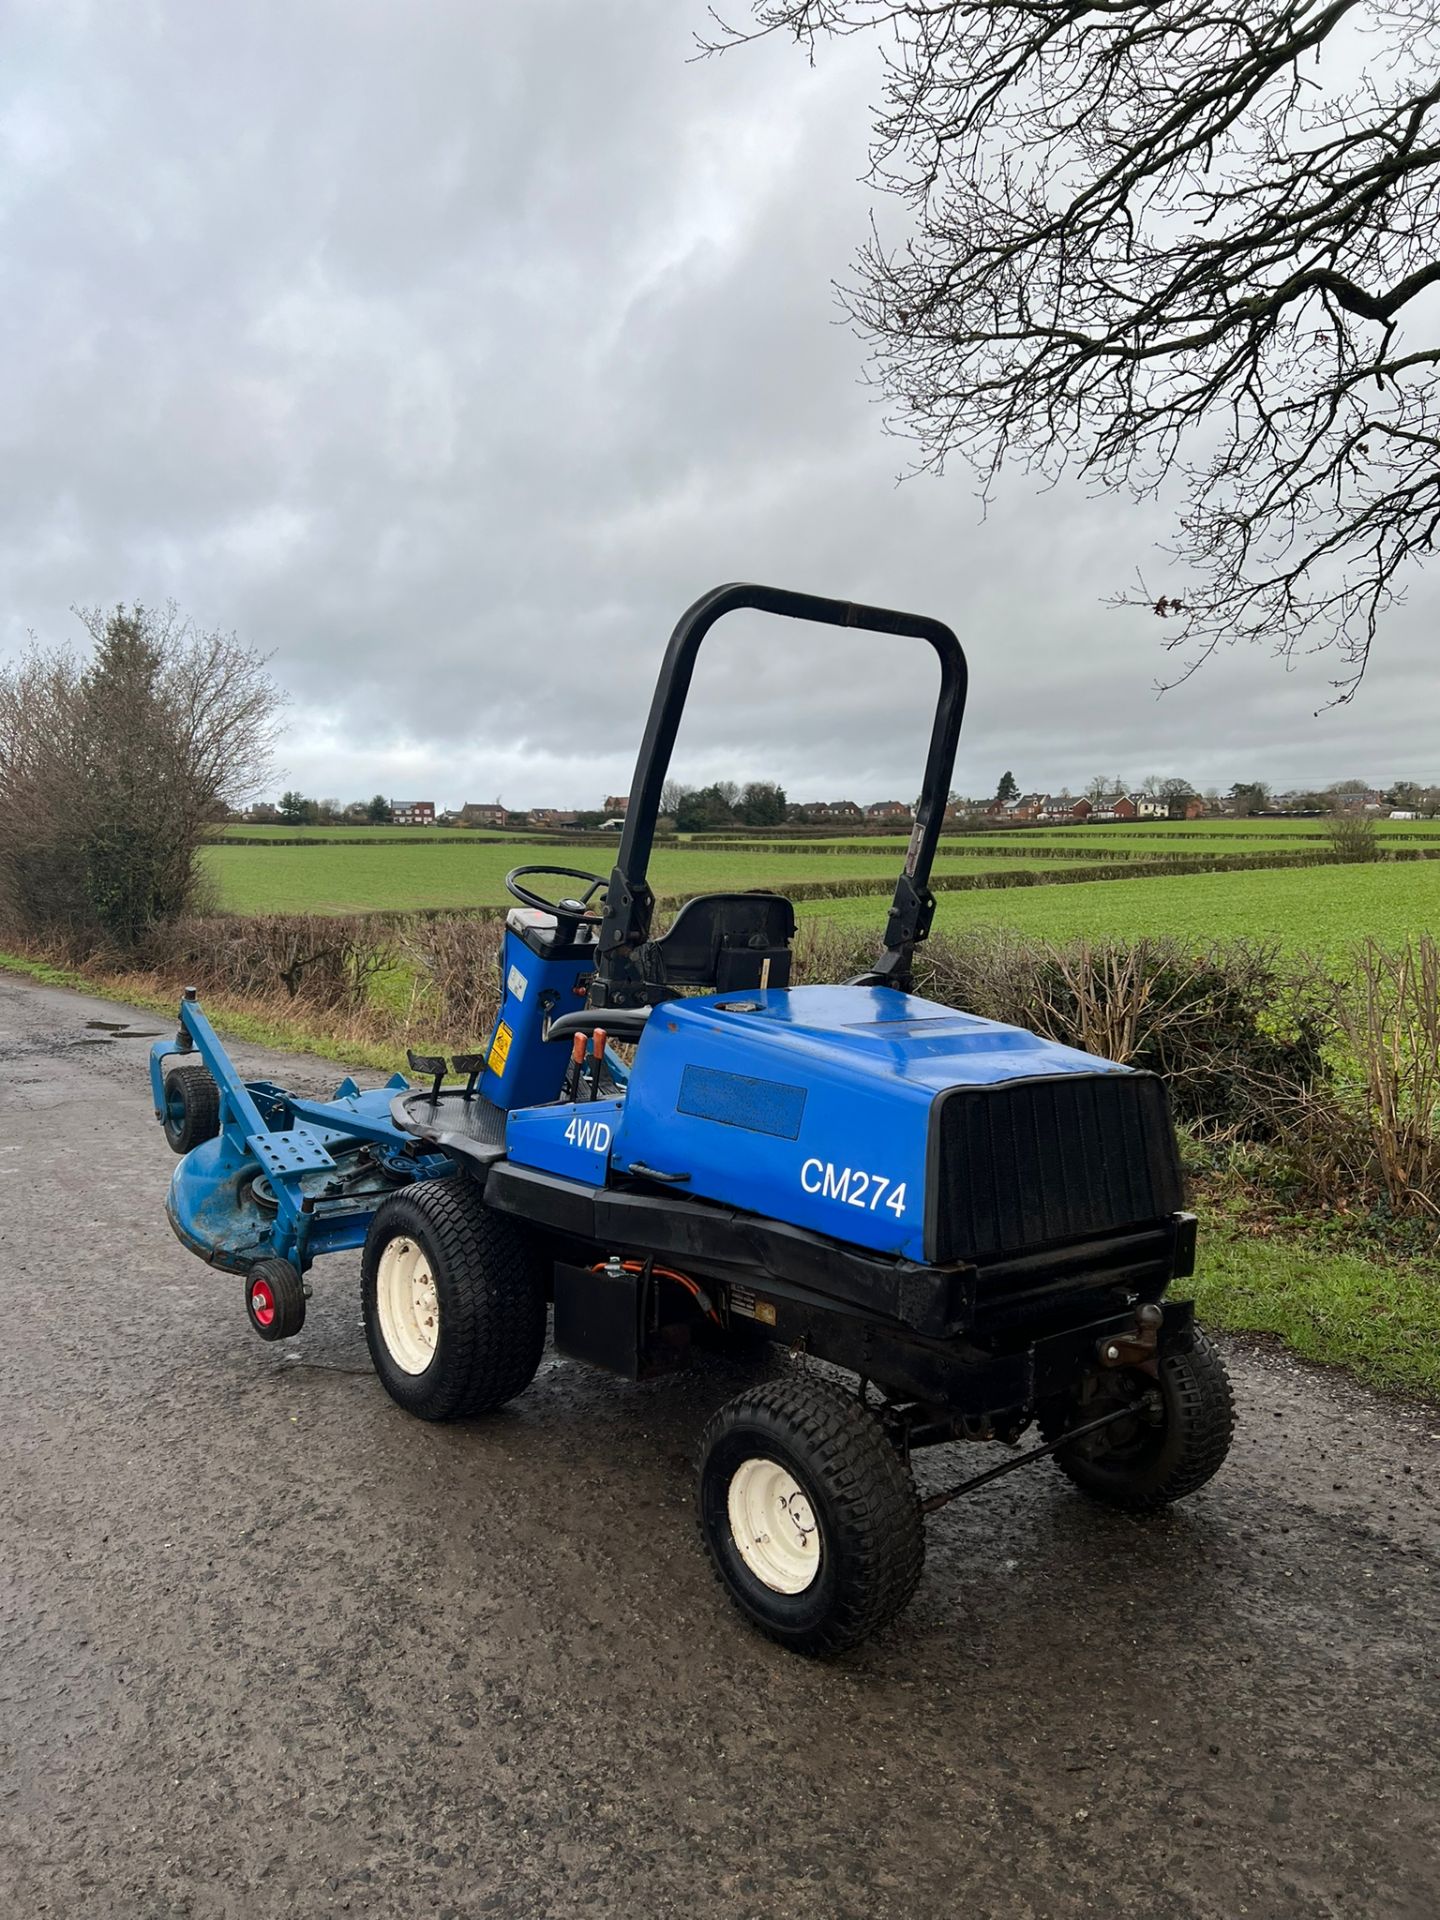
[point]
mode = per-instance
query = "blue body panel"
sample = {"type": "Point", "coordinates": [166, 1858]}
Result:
{"type": "Point", "coordinates": [521, 1069]}
{"type": "Point", "coordinates": [572, 1139]}
{"type": "Point", "coordinates": [812, 1104]}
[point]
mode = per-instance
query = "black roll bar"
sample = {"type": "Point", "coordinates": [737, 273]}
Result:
{"type": "Point", "coordinates": [630, 904]}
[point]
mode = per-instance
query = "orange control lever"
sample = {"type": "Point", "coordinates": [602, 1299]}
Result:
{"type": "Point", "coordinates": [597, 1054]}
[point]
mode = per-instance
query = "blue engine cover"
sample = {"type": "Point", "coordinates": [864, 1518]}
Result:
{"type": "Point", "coordinates": [812, 1104]}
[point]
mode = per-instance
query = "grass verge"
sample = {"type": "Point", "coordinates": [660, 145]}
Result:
{"type": "Point", "coordinates": [1378, 1319]}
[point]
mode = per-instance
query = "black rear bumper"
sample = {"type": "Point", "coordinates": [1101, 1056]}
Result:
{"type": "Point", "coordinates": [724, 1243]}
{"type": "Point", "coordinates": [959, 1334]}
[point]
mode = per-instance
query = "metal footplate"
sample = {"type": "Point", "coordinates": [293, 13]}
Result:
{"type": "Point", "coordinates": [297, 1150]}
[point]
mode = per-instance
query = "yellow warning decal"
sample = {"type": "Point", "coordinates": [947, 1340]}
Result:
{"type": "Point", "coordinates": [500, 1049]}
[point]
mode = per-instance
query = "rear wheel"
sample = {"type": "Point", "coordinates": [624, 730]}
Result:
{"type": "Point", "coordinates": [192, 1108]}
{"type": "Point", "coordinates": [453, 1299]}
{"type": "Point", "coordinates": [1177, 1439]}
{"type": "Point", "coordinates": [809, 1515]}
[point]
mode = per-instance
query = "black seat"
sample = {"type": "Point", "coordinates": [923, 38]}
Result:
{"type": "Point", "coordinates": [729, 941]}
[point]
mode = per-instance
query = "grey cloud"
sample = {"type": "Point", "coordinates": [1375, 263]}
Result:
{"type": "Point", "coordinates": [450, 352]}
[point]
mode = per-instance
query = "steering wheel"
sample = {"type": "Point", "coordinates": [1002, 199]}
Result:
{"type": "Point", "coordinates": [577, 912]}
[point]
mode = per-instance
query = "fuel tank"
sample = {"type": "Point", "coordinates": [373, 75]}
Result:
{"type": "Point", "coordinates": [894, 1123]}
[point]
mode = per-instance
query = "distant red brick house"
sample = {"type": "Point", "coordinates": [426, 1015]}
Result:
{"type": "Point", "coordinates": [888, 810]}
{"type": "Point", "coordinates": [817, 812]}
{"type": "Point", "coordinates": [1113, 806]}
{"type": "Point", "coordinates": [471, 815]}
{"type": "Point", "coordinates": [615, 803]}
{"type": "Point", "coordinates": [413, 813]}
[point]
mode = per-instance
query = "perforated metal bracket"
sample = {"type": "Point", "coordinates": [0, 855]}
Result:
{"type": "Point", "coordinates": [297, 1150]}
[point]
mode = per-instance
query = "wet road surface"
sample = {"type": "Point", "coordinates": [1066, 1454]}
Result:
{"type": "Point", "coordinates": [269, 1647]}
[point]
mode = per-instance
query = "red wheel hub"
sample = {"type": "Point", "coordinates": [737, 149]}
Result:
{"type": "Point", "coordinates": [262, 1302]}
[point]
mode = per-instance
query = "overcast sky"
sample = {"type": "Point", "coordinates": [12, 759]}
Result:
{"type": "Point", "coordinates": [448, 351]}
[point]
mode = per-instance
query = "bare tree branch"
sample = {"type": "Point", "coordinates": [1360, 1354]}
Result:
{"type": "Point", "coordinates": [1178, 245]}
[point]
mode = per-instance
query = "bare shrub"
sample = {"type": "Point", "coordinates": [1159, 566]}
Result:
{"type": "Point", "coordinates": [112, 769]}
{"type": "Point", "coordinates": [458, 960]}
{"type": "Point", "coordinates": [1353, 836]}
{"type": "Point", "coordinates": [319, 961]}
{"type": "Point", "coordinates": [1239, 1039]}
{"type": "Point", "coordinates": [1380, 1130]}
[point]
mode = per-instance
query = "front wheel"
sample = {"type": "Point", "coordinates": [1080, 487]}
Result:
{"type": "Point", "coordinates": [809, 1515]}
{"type": "Point", "coordinates": [453, 1301]}
{"type": "Point", "coordinates": [1177, 1439]}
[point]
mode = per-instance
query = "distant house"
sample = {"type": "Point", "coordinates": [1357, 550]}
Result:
{"type": "Point", "coordinates": [1188, 807]}
{"type": "Point", "coordinates": [615, 803]}
{"type": "Point", "coordinates": [1060, 808]}
{"type": "Point", "coordinates": [472, 815]}
{"type": "Point", "coordinates": [1029, 806]}
{"type": "Point", "coordinates": [821, 812]}
{"type": "Point", "coordinates": [888, 810]}
{"type": "Point", "coordinates": [552, 817]}
{"type": "Point", "coordinates": [413, 813]}
{"type": "Point", "coordinates": [1149, 806]}
{"type": "Point", "coordinates": [1112, 806]}
{"type": "Point", "coordinates": [1081, 809]}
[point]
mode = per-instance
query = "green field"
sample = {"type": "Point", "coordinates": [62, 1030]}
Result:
{"type": "Point", "coordinates": [1322, 909]}
{"type": "Point", "coordinates": [400, 869]}
{"type": "Point", "coordinates": [419, 873]}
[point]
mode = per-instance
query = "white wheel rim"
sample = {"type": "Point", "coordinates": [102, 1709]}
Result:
{"type": "Point", "coordinates": [773, 1526]}
{"type": "Point", "coordinates": [407, 1305]}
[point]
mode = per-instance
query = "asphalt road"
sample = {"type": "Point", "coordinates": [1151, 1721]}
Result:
{"type": "Point", "coordinates": [269, 1647]}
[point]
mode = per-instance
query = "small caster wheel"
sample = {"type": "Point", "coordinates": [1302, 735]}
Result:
{"type": "Point", "coordinates": [275, 1299]}
{"type": "Point", "coordinates": [192, 1108]}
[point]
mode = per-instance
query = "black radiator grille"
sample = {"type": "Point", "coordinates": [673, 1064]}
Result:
{"type": "Point", "coordinates": [1034, 1163]}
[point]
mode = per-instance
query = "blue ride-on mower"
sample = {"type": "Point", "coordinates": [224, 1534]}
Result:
{"type": "Point", "coordinates": [955, 1229]}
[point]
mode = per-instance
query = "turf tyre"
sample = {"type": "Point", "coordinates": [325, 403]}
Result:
{"type": "Point", "coordinates": [490, 1295]}
{"type": "Point", "coordinates": [867, 1515]}
{"type": "Point", "coordinates": [192, 1108]}
{"type": "Point", "coordinates": [1141, 1470]}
